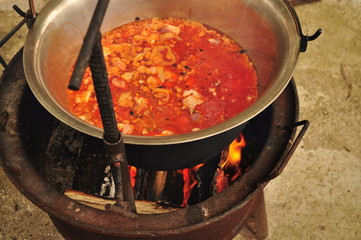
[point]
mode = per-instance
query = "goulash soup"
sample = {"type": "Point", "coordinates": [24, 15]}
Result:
{"type": "Point", "coordinates": [169, 76]}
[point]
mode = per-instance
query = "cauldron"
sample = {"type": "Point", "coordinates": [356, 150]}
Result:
{"type": "Point", "coordinates": [268, 30]}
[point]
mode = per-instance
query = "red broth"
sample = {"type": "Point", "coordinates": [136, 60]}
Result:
{"type": "Point", "coordinates": [169, 76]}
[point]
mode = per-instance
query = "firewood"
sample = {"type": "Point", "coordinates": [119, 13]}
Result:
{"type": "Point", "coordinates": [143, 207]}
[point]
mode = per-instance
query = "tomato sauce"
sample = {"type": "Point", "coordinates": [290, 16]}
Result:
{"type": "Point", "coordinates": [169, 76]}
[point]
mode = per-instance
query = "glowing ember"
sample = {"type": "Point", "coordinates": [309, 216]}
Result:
{"type": "Point", "coordinates": [221, 181]}
{"type": "Point", "coordinates": [133, 174]}
{"type": "Point", "coordinates": [229, 169]}
{"type": "Point", "coordinates": [190, 180]}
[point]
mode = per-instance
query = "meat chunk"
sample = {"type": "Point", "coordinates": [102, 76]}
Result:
{"type": "Point", "coordinates": [192, 100]}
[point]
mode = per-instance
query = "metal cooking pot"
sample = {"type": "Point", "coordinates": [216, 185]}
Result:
{"type": "Point", "coordinates": [267, 29]}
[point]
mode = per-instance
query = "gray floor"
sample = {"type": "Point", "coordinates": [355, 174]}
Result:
{"type": "Point", "coordinates": [318, 196]}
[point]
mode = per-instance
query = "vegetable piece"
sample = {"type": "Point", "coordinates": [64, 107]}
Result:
{"type": "Point", "coordinates": [126, 100]}
{"type": "Point", "coordinates": [162, 55]}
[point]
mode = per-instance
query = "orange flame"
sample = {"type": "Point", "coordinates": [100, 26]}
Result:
{"type": "Point", "coordinates": [190, 180]}
{"type": "Point", "coordinates": [232, 162]}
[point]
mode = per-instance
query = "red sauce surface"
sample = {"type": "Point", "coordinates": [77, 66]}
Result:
{"type": "Point", "coordinates": [170, 76]}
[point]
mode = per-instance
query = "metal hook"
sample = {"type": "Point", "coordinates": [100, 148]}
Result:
{"type": "Point", "coordinates": [32, 8]}
{"type": "Point", "coordinates": [19, 11]}
{"type": "Point", "coordinates": [306, 39]}
{"type": "Point", "coordinates": [29, 16]}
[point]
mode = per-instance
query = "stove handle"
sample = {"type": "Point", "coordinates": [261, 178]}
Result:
{"type": "Point", "coordinates": [287, 154]}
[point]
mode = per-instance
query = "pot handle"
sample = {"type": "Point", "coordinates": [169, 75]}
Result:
{"type": "Point", "coordinates": [287, 155]}
{"type": "Point", "coordinates": [32, 9]}
{"type": "Point", "coordinates": [304, 38]}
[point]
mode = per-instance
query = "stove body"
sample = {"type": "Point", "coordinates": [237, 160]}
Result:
{"type": "Point", "coordinates": [23, 122]}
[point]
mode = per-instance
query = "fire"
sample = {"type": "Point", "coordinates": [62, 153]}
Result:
{"type": "Point", "coordinates": [133, 174]}
{"type": "Point", "coordinates": [230, 170]}
{"type": "Point", "coordinates": [190, 180]}
{"type": "Point", "coordinates": [235, 152]}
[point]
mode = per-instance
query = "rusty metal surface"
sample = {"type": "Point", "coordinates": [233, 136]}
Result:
{"type": "Point", "coordinates": [256, 226]}
{"type": "Point", "coordinates": [218, 217]}
{"type": "Point", "coordinates": [227, 229]}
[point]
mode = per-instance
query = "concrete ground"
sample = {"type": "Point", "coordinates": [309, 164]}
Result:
{"type": "Point", "coordinates": [318, 196]}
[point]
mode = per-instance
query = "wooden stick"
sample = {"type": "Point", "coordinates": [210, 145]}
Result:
{"type": "Point", "coordinates": [143, 207]}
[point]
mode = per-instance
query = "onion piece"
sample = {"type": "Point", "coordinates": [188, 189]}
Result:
{"type": "Point", "coordinates": [160, 71]}
{"type": "Point", "coordinates": [118, 82]}
{"type": "Point", "coordinates": [166, 133]}
{"type": "Point", "coordinates": [162, 55]}
{"type": "Point", "coordinates": [125, 100]}
{"type": "Point", "coordinates": [161, 93]}
{"type": "Point", "coordinates": [172, 28]}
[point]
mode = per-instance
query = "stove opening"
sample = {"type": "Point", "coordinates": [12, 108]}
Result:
{"type": "Point", "coordinates": [75, 163]}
